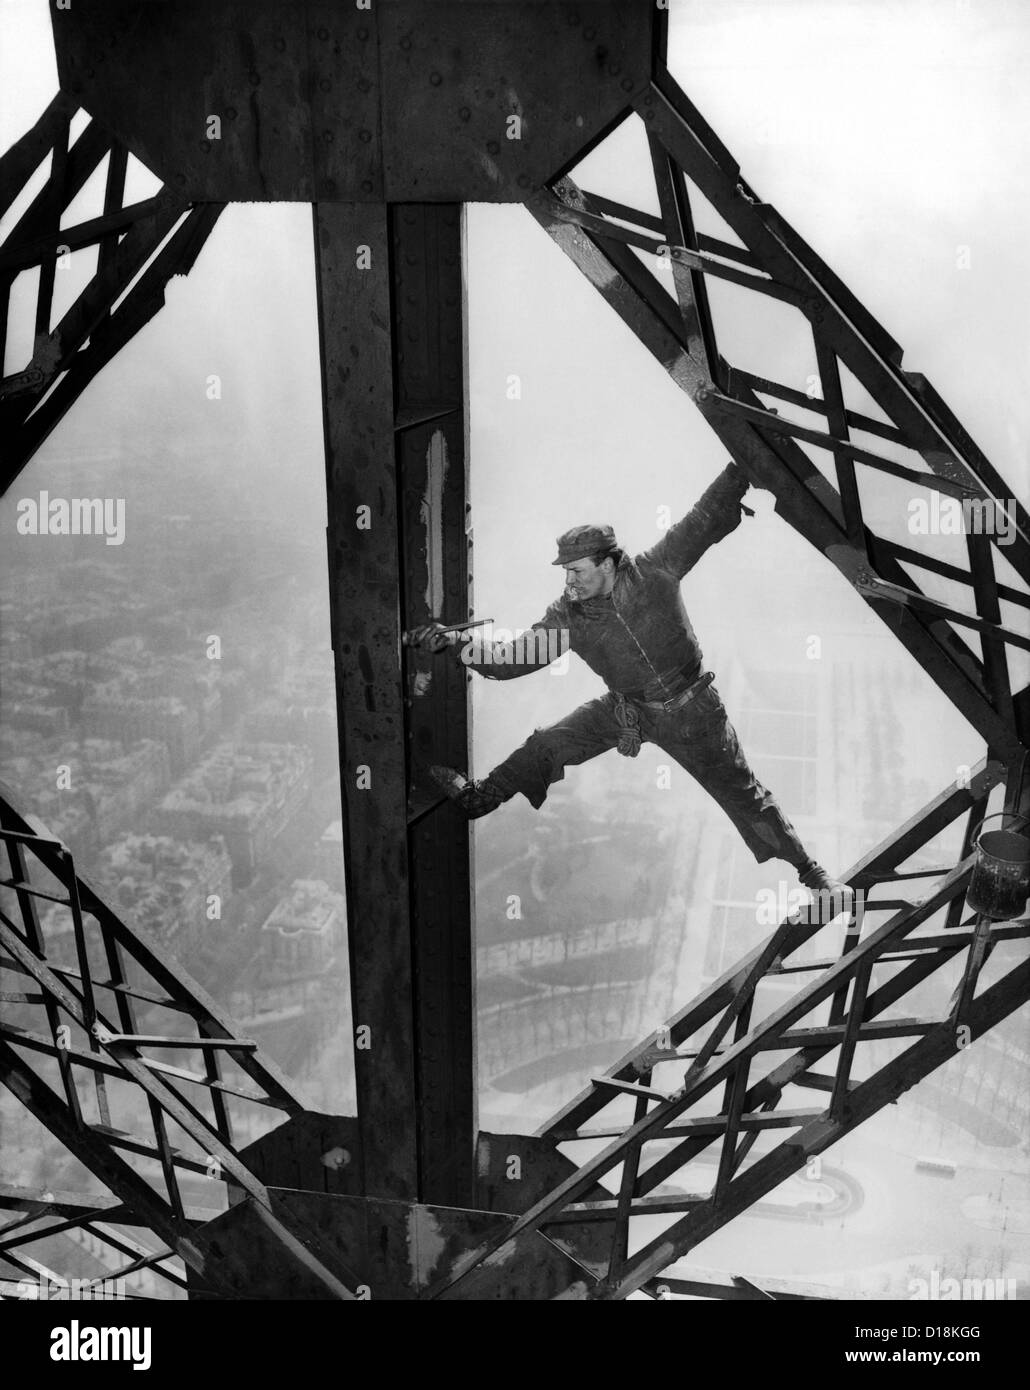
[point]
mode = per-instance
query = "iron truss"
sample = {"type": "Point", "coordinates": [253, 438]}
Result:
{"type": "Point", "coordinates": [140, 247]}
{"type": "Point", "coordinates": [601, 237]}
{"type": "Point", "coordinates": [77, 1026]}
{"type": "Point", "coordinates": [655, 1106]}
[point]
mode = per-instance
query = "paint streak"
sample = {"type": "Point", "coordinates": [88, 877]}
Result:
{"type": "Point", "coordinates": [489, 168]}
{"type": "Point", "coordinates": [574, 243]}
{"type": "Point", "coordinates": [368, 677]}
{"type": "Point", "coordinates": [431, 516]}
{"type": "Point", "coordinates": [426, 1243]}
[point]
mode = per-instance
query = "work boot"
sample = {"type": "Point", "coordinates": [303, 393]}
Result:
{"type": "Point", "coordinates": [830, 896]}
{"type": "Point", "coordinates": [474, 798]}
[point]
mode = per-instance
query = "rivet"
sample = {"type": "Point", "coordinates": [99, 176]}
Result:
{"type": "Point", "coordinates": [327, 136]}
{"type": "Point", "coordinates": [363, 84]}
{"type": "Point", "coordinates": [362, 33]}
{"type": "Point", "coordinates": [231, 113]}
{"type": "Point", "coordinates": [364, 136]}
{"type": "Point", "coordinates": [435, 79]}
{"type": "Point", "coordinates": [323, 33]}
{"type": "Point", "coordinates": [627, 86]}
{"type": "Point", "coordinates": [465, 113]}
{"type": "Point", "coordinates": [405, 43]}
{"type": "Point", "coordinates": [492, 146]}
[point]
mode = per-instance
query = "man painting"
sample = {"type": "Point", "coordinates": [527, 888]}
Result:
{"type": "Point", "coordinates": [625, 617]}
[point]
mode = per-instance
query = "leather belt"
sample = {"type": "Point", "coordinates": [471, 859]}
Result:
{"type": "Point", "coordinates": [683, 698]}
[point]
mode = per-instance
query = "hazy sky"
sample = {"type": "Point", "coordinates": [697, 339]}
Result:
{"type": "Point", "coordinates": [891, 134]}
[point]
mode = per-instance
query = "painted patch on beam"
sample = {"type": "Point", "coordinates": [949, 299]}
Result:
{"type": "Point", "coordinates": [431, 516]}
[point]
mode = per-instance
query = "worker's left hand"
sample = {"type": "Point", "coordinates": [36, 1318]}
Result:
{"type": "Point", "coordinates": [740, 480]}
{"type": "Point", "coordinates": [736, 474]}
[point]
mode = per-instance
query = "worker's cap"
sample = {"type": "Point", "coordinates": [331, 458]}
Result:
{"type": "Point", "coordinates": [583, 541]}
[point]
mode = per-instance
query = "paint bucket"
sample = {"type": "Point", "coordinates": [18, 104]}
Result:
{"type": "Point", "coordinates": [1001, 875]}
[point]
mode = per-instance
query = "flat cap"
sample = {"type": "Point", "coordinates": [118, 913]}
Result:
{"type": "Point", "coordinates": [582, 541]}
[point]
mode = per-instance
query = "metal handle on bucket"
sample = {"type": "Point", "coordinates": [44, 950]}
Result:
{"type": "Point", "coordinates": [1014, 814]}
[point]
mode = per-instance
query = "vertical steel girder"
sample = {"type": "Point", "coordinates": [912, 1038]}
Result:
{"type": "Point", "coordinates": [392, 334]}
{"type": "Point", "coordinates": [90, 1030]}
{"type": "Point", "coordinates": [598, 233]}
{"type": "Point", "coordinates": [153, 240]}
{"type": "Point", "coordinates": [431, 434]}
{"type": "Point", "coordinates": [754, 1085]}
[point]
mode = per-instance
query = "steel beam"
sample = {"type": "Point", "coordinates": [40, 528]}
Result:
{"type": "Point", "coordinates": [352, 249]}
{"type": "Point", "coordinates": [431, 457]}
{"type": "Point", "coordinates": [391, 321]}
{"type": "Point", "coordinates": [402, 100]}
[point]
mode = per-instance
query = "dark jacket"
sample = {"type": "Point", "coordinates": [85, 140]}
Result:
{"type": "Point", "coordinates": [638, 639]}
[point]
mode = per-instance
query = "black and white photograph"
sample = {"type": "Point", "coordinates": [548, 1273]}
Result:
{"type": "Point", "coordinates": [515, 667]}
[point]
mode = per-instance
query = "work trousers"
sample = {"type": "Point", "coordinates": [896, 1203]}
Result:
{"type": "Point", "coordinates": [699, 737]}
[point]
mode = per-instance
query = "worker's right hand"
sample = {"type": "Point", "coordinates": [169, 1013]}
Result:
{"type": "Point", "coordinates": [430, 637]}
